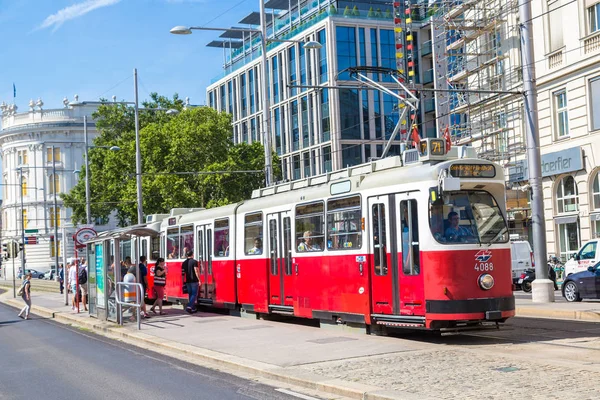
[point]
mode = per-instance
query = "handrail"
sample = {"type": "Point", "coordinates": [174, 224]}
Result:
{"type": "Point", "coordinates": [138, 300]}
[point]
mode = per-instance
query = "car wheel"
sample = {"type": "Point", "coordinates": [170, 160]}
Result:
{"type": "Point", "coordinates": [571, 292]}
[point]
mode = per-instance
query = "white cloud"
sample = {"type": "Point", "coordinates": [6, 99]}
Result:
{"type": "Point", "coordinates": [74, 11]}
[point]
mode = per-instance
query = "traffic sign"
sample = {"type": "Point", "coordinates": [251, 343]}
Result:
{"type": "Point", "coordinates": [30, 240]}
{"type": "Point", "coordinates": [32, 231]}
{"type": "Point", "coordinates": [83, 235]}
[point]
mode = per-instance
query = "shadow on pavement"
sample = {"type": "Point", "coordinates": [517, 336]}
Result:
{"type": "Point", "coordinates": [514, 331]}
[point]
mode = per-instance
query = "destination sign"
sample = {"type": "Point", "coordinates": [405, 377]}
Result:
{"type": "Point", "coordinates": [472, 171]}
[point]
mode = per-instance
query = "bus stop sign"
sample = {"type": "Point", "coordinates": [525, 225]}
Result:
{"type": "Point", "coordinates": [84, 235]}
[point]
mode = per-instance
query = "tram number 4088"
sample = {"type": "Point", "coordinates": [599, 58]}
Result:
{"type": "Point", "coordinates": [481, 267]}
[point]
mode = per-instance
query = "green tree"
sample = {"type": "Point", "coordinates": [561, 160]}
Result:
{"type": "Point", "coordinates": [182, 156]}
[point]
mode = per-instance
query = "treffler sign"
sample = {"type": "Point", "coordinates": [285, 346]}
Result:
{"type": "Point", "coordinates": [559, 162]}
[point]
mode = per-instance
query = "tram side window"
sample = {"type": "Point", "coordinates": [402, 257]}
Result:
{"type": "Point", "coordinates": [173, 243]}
{"type": "Point", "coordinates": [253, 234]}
{"type": "Point", "coordinates": [410, 237]}
{"type": "Point", "coordinates": [187, 240]}
{"type": "Point", "coordinates": [379, 240]}
{"type": "Point", "coordinates": [222, 237]}
{"type": "Point", "coordinates": [144, 247]}
{"type": "Point", "coordinates": [155, 247]}
{"type": "Point", "coordinates": [309, 227]}
{"type": "Point", "coordinates": [344, 224]}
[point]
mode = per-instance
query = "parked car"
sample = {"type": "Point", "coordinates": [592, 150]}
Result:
{"type": "Point", "coordinates": [582, 285]}
{"type": "Point", "coordinates": [585, 257]}
{"type": "Point", "coordinates": [34, 274]}
{"type": "Point", "coordinates": [522, 259]}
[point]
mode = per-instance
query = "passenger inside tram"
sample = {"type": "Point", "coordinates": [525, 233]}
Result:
{"type": "Point", "coordinates": [257, 249]}
{"type": "Point", "coordinates": [307, 243]}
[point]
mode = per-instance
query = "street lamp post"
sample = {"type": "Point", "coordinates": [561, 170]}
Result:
{"type": "Point", "coordinates": [138, 151]}
{"type": "Point", "coordinates": [266, 131]}
{"type": "Point", "coordinates": [55, 215]}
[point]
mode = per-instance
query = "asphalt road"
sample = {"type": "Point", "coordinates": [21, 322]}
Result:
{"type": "Point", "coordinates": [41, 359]}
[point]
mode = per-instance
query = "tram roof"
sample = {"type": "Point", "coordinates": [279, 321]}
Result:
{"type": "Point", "coordinates": [389, 171]}
{"type": "Point", "coordinates": [197, 215]}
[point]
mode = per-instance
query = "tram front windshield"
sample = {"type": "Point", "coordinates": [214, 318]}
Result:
{"type": "Point", "coordinates": [467, 217]}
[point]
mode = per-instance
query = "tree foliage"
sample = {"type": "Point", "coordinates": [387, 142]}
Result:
{"type": "Point", "coordinates": [188, 160]}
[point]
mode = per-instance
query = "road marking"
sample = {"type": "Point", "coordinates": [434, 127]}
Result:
{"type": "Point", "coordinates": [298, 395]}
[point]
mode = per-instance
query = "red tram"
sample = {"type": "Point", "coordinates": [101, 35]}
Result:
{"type": "Point", "coordinates": [420, 244]}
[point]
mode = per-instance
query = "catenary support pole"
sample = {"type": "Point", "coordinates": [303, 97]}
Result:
{"type": "Point", "coordinates": [542, 287]}
{"type": "Point", "coordinates": [88, 206]}
{"type": "Point", "coordinates": [138, 150]}
{"type": "Point", "coordinates": [266, 122]}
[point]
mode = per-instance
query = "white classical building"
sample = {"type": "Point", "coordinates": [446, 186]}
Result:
{"type": "Point", "coordinates": [47, 147]}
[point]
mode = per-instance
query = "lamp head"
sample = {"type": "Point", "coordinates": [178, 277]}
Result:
{"type": "Point", "coordinates": [172, 111]}
{"type": "Point", "coordinates": [114, 148]}
{"type": "Point", "coordinates": [312, 45]}
{"type": "Point", "coordinates": [181, 30]}
{"type": "Point", "coordinates": [76, 171]}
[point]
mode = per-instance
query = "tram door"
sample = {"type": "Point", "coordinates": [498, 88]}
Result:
{"type": "Point", "coordinates": [395, 254]}
{"type": "Point", "coordinates": [206, 289]}
{"type": "Point", "coordinates": [281, 280]}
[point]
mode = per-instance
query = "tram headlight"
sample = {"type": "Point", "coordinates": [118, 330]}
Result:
{"type": "Point", "coordinates": [486, 281]}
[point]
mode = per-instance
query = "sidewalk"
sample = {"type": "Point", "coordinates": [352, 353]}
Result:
{"type": "Point", "coordinates": [587, 310]}
{"type": "Point", "coordinates": [333, 361]}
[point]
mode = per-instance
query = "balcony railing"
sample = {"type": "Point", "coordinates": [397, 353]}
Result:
{"type": "Point", "coordinates": [426, 49]}
{"type": "Point", "coordinates": [428, 76]}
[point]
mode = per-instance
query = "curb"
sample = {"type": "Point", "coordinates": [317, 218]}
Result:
{"type": "Point", "coordinates": [195, 355]}
{"type": "Point", "coordinates": [533, 312]}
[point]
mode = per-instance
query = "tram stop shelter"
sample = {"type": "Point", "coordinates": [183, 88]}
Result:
{"type": "Point", "coordinates": [104, 256]}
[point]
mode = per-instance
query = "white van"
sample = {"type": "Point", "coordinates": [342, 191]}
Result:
{"type": "Point", "coordinates": [521, 257]}
{"type": "Point", "coordinates": [587, 256]}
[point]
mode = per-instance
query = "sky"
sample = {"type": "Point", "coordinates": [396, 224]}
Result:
{"type": "Point", "coordinates": [56, 48]}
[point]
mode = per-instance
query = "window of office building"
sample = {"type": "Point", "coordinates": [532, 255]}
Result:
{"type": "Point", "coordinates": [374, 51]}
{"type": "Point", "coordinates": [561, 114]}
{"type": "Point", "coordinates": [390, 114]}
{"type": "Point", "coordinates": [304, 104]}
{"type": "Point", "coordinates": [567, 195]}
{"type": "Point", "coordinates": [594, 18]}
{"type": "Point", "coordinates": [362, 47]}
{"type": "Point", "coordinates": [292, 68]}
{"type": "Point", "coordinates": [251, 84]}
{"type": "Point", "coordinates": [244, 98]}
{"type": "Point", "coordinates": [351, 155]}
{"type": "Point", "coordinates": [349, 114]}
{"type": "Point", "coordinates": [223, 105]}
{"type": "Point", "coordinates": [346, 50]}
{"type": "Point", "coordinates": [277, 122]}
{"type": "Point", "coordinates": [253, 130]}
{"type": "Point", "coordinates": [234, 100]}
{"type": "Point", "coordinates": [388, 51]}
{"type": "Point", "coordinates": [322, 37]}
{"type": "Point", "coordinates": [295, 126]}
{"type": "Point", "coordinates": [230, 97]}
{"type": "Point", "coordinates": [245, 132]}
{"type": "Point", "coordinates": [302, 62]}
{"type": "Point", "coordinates": [325, 121]}
{"type": "Point", "coordinates": [327, 167]}
{"type": "Point", "coordinates": [366, 120]}
{"type": "Point", "coordinates": [53, 154]}
{"type": "Point", "coordinates": [296, 167]}
{"type": "Point", "coordinates": [306, 162]}
{"type": "Point", "coordinates": [211, 99]}
{"type": "Point", "coordinates": [276, 79]}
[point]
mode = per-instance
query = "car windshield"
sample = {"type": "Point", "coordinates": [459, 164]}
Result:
{"type": "Point", "coordinates": [467, 217]}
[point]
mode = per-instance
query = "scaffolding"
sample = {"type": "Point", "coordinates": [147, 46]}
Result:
{"type": "Point", "coordinates": [477, 76]}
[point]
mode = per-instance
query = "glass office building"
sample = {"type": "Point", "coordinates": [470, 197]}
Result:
{"type": "Point", "coordinates": [314, 130]}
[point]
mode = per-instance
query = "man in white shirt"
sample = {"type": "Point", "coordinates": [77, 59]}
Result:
{"type": "Point", "coordinates": [72, 284]}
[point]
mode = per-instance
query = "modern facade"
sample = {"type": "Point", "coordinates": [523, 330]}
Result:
{"type": "Point", "coordinates": [43, 148]}
{"type": "Point", "coordinates": [314, 129]}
